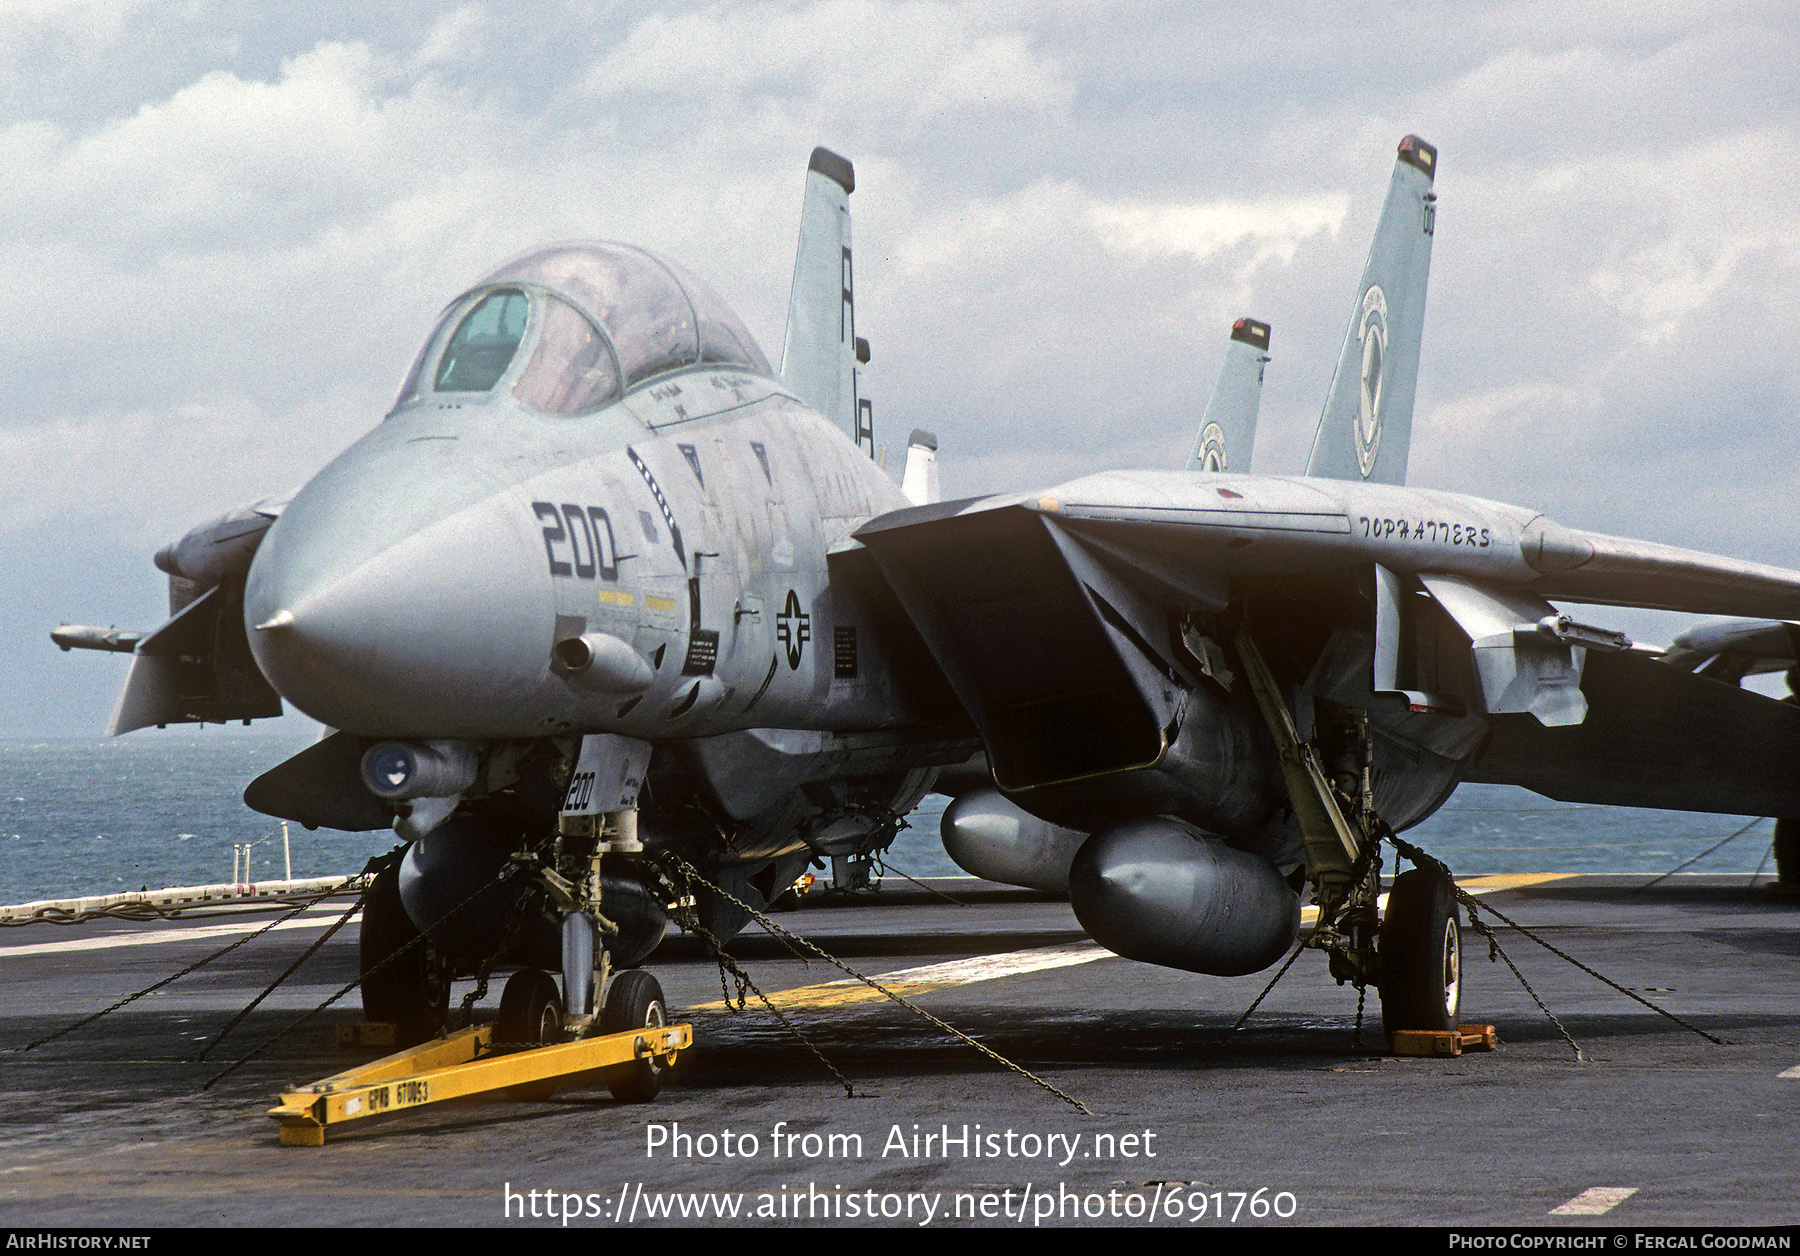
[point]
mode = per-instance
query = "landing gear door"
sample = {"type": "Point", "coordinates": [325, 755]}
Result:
{"type": "Point", "coordinates": [609, 771]}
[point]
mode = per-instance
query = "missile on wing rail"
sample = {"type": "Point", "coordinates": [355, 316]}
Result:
{"type": "Point", "coordinates": [82, 637]}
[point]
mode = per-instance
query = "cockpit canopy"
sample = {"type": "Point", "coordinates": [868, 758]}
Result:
{"type": "Point", "coordinates": [596, 318]}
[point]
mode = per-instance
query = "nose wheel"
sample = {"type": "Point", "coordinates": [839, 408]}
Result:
{"type": "Point", "coordinates": [531, 1014]}
{"type": "Point", "coordinates": [634, 1001]}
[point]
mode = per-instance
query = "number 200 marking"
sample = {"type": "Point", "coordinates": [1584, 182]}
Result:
{"type": "Point", "coordinates": [578, 541]}
{"type": "Point", "coordinates": [581, 792]}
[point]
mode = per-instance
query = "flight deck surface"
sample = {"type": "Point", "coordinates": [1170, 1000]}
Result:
{"type": "Point", "coordinates": [109, 1125]}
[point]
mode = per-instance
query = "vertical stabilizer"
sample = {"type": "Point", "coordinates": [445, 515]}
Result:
{"type": "Point", "coordinates": [1366, 429]}
{"type": "Point", "coordinates": [1228, 427]}
{"type": "Point", "coordinates": [920, 480]}
{"type": "Point", "coordinates": [819, 353]}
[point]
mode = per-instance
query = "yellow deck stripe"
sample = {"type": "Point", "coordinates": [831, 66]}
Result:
{"type": "Point", "coordinates": [908, 982]}
{"type": "Point", "coordinates": [1511, 880]}
{"type": "Point", "coordinates": [1309, 915]}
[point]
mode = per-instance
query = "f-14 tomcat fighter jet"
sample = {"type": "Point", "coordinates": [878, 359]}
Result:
{"type": "Point", "coordinates": [607, 615]}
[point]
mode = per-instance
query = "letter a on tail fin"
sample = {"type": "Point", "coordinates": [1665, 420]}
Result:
{"type": "Point", "coordinates": [1228, 428]}
{"type": "Point", "coordinates": [818, 355]}
{"type": "Point", "coordinates": [1366, 429]}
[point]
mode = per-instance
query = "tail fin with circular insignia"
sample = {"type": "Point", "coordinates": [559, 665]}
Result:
{"type": "Point", "coordinates": [1228, 428]}
{"type": "Point", "coordinates": [1366, 428]}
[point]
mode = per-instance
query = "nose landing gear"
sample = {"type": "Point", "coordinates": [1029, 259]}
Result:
{"type": "Point", "coordinates": [630, 1043]}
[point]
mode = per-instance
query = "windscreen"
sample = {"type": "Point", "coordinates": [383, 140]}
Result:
{"type": "Point", "coordinates": [484, 343]}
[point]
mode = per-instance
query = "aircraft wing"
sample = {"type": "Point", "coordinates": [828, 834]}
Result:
{"type": "Point", "coordinates": [1199, 529]}
{"type": "Point", "coordinates": [1072, 621]}
{"type": "Point", "coordinates": [1618, 571]}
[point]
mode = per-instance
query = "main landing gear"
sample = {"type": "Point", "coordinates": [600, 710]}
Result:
{"type": "Point", "coordinates": [406, 981]}
{"type": "Point", "coordinates": [1413, 957]}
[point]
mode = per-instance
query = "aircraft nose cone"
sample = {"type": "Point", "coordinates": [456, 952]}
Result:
{"type": "Point", "coordinates": [437, 624]}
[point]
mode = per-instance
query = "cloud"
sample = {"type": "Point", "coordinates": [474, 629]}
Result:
{"type": "Point", "coordinates": [1271, 229]}
{"type": "Point", "coordinates": [147, 474]}
{"type": "Point", "coordinates": [225, 229]}
{"type": "Point", "coordinates": [460, 36]}
{"type": "Point", "coordinates": [915, 63]}
{"type": "Point", "coordinates": [97, 21]}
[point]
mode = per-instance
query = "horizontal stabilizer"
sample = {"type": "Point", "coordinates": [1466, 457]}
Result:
{"type": "Point", "coordinates": [1655, 736]}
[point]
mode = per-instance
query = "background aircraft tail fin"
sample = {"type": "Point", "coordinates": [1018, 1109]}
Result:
{"type": "Point", "coordinates": [1366, 429]}
{"type": "Point", "coordinates": [819, 354]}
{"type": "Point", "coordinates": [1228, 427]}
{"type": "Point", "coordinates": [920, 480]}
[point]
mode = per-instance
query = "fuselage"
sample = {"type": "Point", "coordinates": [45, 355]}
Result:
{"type": "Point", "coordinates": [420, 584]}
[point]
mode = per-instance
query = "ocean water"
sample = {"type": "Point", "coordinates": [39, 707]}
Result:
{"type": "Point", "coordinates": [99, 815]}
{"type": "Point", "coordinates": [85, 816]}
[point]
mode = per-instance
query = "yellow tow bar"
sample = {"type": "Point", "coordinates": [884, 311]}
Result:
{"type": "Point", "coordinates": [457, 1067]}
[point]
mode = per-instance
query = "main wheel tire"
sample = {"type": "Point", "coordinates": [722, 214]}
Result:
{"type": "Point", "coordinates": [405, 985]}
{"type": "Point", "coordinates": [634, 1002]}
{"type": "Point", "coordinates": [531, 1013]}
{"type": "Point", "coordinates": [1421, 955]}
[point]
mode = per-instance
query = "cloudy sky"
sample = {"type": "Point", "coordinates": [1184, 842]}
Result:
{"type": "Point", "coordinates": [224, 229]}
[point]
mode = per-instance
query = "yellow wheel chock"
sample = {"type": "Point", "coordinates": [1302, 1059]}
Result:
{"type": "Point", "coordinates": [456, 1067]}
{"type": "Point", "coordinates": [1445, 1041]}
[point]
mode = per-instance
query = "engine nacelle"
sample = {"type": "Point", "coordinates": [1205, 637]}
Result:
{"type": "Point", "coordinates": [1162, 892]}
{"type": "Point", "coordinates": [989, 837]}
{"type": "Point", "coordinates": [219, 549]}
